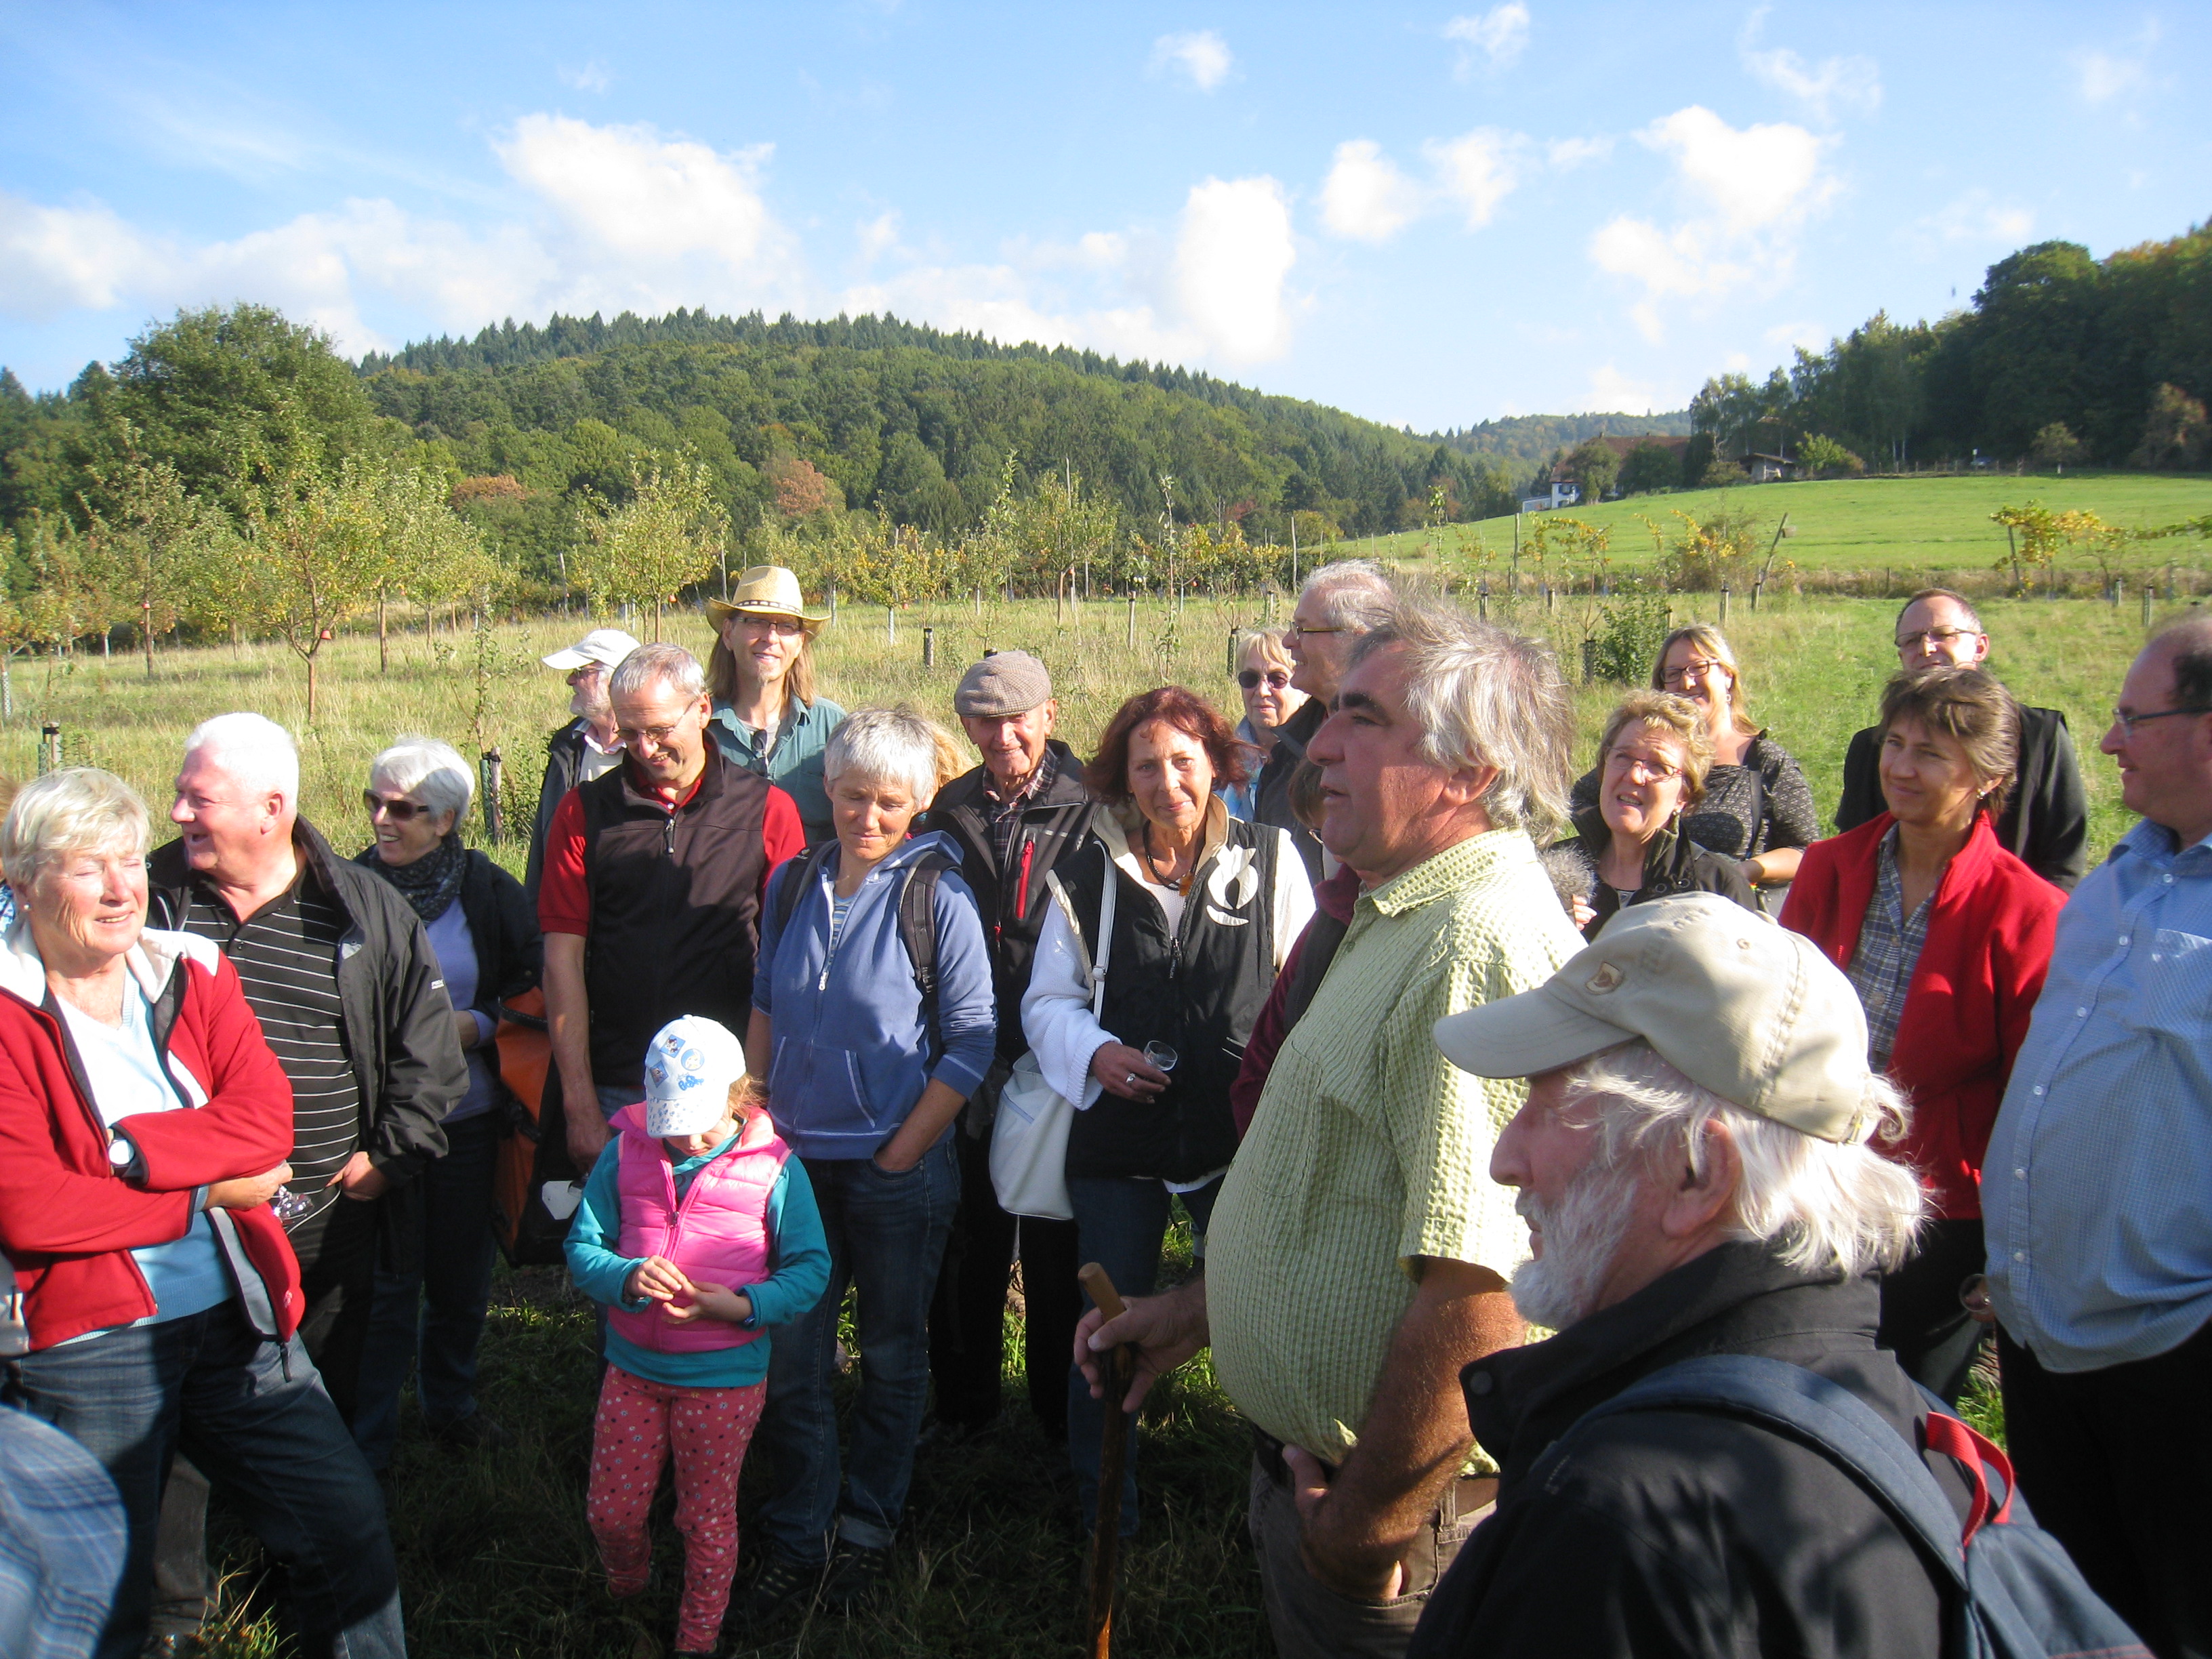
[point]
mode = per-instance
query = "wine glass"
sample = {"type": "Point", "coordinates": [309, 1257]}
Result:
{"type": "Point", "coordinates": [1162, 1055]}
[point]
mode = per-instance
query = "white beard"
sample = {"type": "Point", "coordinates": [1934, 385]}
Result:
{"type": "Point", "coordinates": [1582, 1235]}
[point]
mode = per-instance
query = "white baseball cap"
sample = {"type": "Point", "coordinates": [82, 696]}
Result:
{"type": "Point", "coordinates": [1748, 1010]}
{"type": "Point", "coordinates": [689, 1068]}
{"type": "Point", "coordinates": [605, 645]}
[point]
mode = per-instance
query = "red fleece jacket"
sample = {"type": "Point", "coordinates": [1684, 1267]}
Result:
{"type": "Point", "coordinates": [1966, 1007]}
{"type": "Point", "coordinates": [69, 1220]}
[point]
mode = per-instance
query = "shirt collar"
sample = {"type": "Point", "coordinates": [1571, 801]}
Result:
{"type": "Point", "coordinates": [2159, 844]}
{"type": "Point", "coordinates": [1479, 859]}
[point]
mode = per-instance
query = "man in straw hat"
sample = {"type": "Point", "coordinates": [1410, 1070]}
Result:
{"type": "Point", "coordinates": [588, 746]}
{"type": "Point", "coordinates": [767, 718]}
{"type": "Point", "coordinates": [1694, 1168]}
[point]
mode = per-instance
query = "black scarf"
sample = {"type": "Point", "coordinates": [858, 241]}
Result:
{"type": "Point", "coordinates": [431, 882]}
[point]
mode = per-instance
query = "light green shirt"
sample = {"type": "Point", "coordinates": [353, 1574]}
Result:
{"type": "Point", "coordinates": [1368, 1147]}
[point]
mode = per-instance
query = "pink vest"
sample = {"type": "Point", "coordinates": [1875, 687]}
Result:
{"type": "Point", "coordinates": [718, 1235]}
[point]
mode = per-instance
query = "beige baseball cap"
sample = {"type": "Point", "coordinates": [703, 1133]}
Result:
{"type": "Point", "coordinates": [1745, 1008]}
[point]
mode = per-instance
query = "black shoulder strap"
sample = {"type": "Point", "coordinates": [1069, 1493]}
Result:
{"type": "Point", "coordinates": [917, 926]}
{"type": "Point", "coordinates": [786, 898]}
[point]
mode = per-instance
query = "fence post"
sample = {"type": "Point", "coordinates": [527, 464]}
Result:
{"type": "Point", "coordinates": [1133, 620]}
{"type": "Point", "coordinates": [929, 647]}
{"type": "Point", "coordinates": [1482, 600]}
{"type": "Point", "coordinates": [1547, 599]}
{"type": "Point", "coordinates": [50, 749]}
{"type": "Point", "coordinates": [1757, 588]}
{"type": "Point", "coordinates": [2119, 587]}
{"type": "Point", "coordinates": [833, 600]}
{"type": "Point", "coordinates": [2146, 604]}
{"type": "Point", "coordinates": [1724, 603]}
{"type": "Point", "coordinates": [1589, 662]}
{"type": "Point", "coordinates": [1231, 670]}
{"type": "Point", "coordinates": [495, 809]}
{"type": "Point", "coordinates": [7, 684]}
{"type": "Point", "coordinates": [890, 624]}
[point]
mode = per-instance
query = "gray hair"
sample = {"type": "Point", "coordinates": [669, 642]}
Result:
{"type": "Point", "coordinates": [1353, 594]}
{"type": "Point", "coordinates": [1827, 1207]}
{"type": "Point", "coordinates": [886, 746]}
{"type": "Point", "coordinates": [255, 753]}
{"type": "Point", "coordinates": [658, 664]}
{"type": "Point", "coordinates": [431, 771]}
{"type": "Point", "coordinates": [1485, 698]}
{"type": "Point", "coordinates": [79, 809]}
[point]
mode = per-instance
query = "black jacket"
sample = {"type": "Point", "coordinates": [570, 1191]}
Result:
{"type": "Point", "coordinates": [1271, 795]}
{"type": "Point", "coordinates": [503, 928]}
{"type": "Point", "coordinates": [1687, 1534]}
{"type": "Point", "coordinates": [399, 1020]}
{"type": "Point", "coordinates": [564, 758]}
{"type": "Point", "coordinates": [2045, 822]}
{"type": "Point", "coordinates": [1672, 863]}
{"type": "Point", "coordinates": [1014, 901]}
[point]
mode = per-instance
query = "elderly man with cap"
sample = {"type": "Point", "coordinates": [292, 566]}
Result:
{"type": "Point", "coordinates": [1014, 816]}
{"type": "Point", "coordinates": [1694, 1170]}
{"type": "Point", "coordinates": [767, 718]}
{"type": "Point", "coordinates": [588, 745]}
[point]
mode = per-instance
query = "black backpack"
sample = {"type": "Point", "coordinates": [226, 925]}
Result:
{"type": "Point", "coordinates": [917, 918]}
{"type": "Point", "coordinates": [2015, 1593]}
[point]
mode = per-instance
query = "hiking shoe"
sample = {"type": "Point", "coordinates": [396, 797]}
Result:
{"type": "Point", "coordinates": [784, 1585]}
{"type": "Point", "coordinates": [857, 1574]}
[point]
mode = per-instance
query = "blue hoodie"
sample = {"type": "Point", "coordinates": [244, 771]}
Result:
{"type": "Point", "coordinates": [850, 1056]}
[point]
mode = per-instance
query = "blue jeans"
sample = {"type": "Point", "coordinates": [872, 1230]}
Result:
{"type": "Point", "coordinates": [886, 1235]}
{"type": "Point", "coordinates": [1119, 1224]}
{"type": "Point", "coordinates": [254, 1416]}
{"type": "Point", "coordinates": [443, 1300]}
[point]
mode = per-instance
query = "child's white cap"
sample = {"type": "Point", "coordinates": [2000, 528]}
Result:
{"type": "Point", "coordinates": [689, 1069]}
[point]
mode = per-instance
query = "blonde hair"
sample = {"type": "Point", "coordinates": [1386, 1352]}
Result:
{"type": "Point", "coordinates": [79, 809]}
{"type": "Point", "coordinates": [1703, 636]}
{"type": "Point", "coordinates": [1272, 646]}
{"type": "Point", "coordinates": [1677, 717]}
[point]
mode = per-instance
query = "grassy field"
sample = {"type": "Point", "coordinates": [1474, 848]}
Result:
{"type": "Point", "coordinates": [496, 1557]}
{"type": "Point", "coordinates": [1867, 525]}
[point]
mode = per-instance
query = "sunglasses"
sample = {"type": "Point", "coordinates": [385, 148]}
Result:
{"type": "Point", "coordinates": [1249, 678]}
{"type": "Point", "coordinates": [398, 808]}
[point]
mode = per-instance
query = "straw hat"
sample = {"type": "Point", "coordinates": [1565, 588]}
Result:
{"type": "Point", "coordinates": [768, 590]}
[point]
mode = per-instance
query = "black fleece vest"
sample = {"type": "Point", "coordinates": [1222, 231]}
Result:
{"type": "Point", "coordinates": [1200, 992]}
{"type": "Point", "coordinates": [675, 909]}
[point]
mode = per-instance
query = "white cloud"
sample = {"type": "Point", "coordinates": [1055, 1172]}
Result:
{"type": "Point", "coordinates": [1611, 392]}
{"type": "Point", "coordinates": [1366, 197]}
{"type": "Point", "coordinates": [1568, 154]}
{"type": "Point", "coordinates": [1749, 191]}
{"type": "Point", "coordinates": [1232, 259]}
{"type": "Point", "coordinates": [1851, 82]}
{"type": "Point", "coordinates": [1200, 54]}
{"type": "Point", "coordinates": [2124, 69]}
{"type": "Point", "coordinates": [878, 236]}
{"type": "Point", "coordinates": [1810, 336]}
{"type": "Point", "coordinates": [1500, 34]}
{"type": "Point", "coordinates": [1974, 219]}
{"type": "Point", "coordinates": [61, 259]}
{"type": "Point", "coordinates": [592, 77]}
{"type": "Point", "coordinates": [1477, 170]}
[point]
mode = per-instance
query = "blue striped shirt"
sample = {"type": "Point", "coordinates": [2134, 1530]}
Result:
{"type": "Point", "coordinates": [2097, 1190]}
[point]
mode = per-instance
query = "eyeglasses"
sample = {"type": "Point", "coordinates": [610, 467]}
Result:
{"type": "Point", "coordinates": [1690, 671]}
{"type": "Point", "coordinates": [1938, 637]}
{"type": "Point", "coordinates": [2128, 722]}
{"type": "Point", "coordinates": [398, 808]}
{"type": "Point", "coordinates": [1249, 678]}
{"type": "Point", "coordinates": [1653, 771]}
{"type": "Point", "coordinates": [1300, 629]}
{"type": "Point", "coordinates": [657, 736]}
{"type": "Point", "coordinates": [784, 627]}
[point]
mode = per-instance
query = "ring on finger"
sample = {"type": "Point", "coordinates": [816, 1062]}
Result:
{"type": "Point", "coordinates": [1129, 1081]}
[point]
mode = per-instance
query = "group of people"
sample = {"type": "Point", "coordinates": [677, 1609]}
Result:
{"type": "Point", "coordinates": [1428, 1041]}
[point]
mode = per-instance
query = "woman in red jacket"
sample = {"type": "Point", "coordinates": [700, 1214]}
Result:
{"type": "Point", "coordinates": [144, 1126]}
{"type": "Point", "coordinates": [1946, 936]}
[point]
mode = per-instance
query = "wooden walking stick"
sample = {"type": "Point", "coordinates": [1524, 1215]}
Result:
{"type": "Point", "coordinates": [1114, 1368]}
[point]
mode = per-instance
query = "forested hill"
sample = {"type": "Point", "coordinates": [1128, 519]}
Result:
{"type": "Point", "coordinates": [1525, 441]}
{"type": "Point", "coordinates": [911, 420]}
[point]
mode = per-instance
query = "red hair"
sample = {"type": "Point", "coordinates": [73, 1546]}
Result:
{"type": "Point", "coordinates": [1107, 777]}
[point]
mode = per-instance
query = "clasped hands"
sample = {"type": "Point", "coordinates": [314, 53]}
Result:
{"type": "Point", "coordinates": [656, 1278]}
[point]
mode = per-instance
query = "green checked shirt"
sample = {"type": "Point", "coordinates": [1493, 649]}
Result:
{"type": "Point", "coordinates": [1368, 1147]}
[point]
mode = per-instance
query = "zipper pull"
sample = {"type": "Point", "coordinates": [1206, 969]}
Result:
{"type": "Point", "coordinates": [668, 835]}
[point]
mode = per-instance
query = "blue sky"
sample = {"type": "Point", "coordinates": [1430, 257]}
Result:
{"type": "Point", "coordinates": [1426, 215]}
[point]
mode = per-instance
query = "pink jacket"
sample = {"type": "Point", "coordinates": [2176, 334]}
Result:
{"type": "Point", "coordinates": [717, 1234]}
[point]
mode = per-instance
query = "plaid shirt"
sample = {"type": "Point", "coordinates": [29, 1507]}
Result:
{"type": "Point", "coordinates": [1888, 950]}
{"type": "Point", "coordinates": [61, 1540]}
{"type": "Point", "coordinates": [1003, 818]}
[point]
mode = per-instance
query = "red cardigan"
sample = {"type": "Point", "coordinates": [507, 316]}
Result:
{"type": "Point", "coordinates": [69, 1220]}
{"type": "Point", "coordinates": [1968, 1007]}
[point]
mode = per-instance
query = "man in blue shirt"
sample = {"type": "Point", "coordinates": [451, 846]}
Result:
{"type": "Point", "coordinates": [2097, 1190]}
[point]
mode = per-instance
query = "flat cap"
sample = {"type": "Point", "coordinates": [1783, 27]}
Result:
{"type": "Point", "coordinates": [1006, 683]}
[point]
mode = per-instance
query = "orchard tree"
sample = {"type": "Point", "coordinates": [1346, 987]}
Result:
{"type": "Point", "coordinates": [671, 533]}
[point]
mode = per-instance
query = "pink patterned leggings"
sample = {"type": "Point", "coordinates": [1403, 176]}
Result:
{"type": "Point", "coordinates": [709, 1428]}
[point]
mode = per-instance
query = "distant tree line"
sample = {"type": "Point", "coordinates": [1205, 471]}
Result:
{"type": "Point", "coordinates": [2060, 359]}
